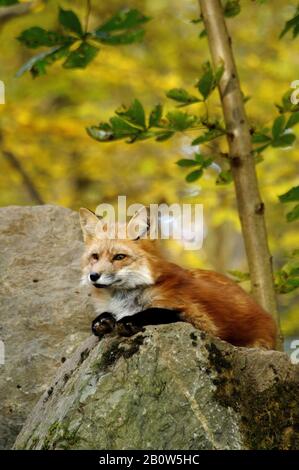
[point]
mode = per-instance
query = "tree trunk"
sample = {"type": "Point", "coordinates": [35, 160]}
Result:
{"type": "Point", "coordinates": [250, 205]}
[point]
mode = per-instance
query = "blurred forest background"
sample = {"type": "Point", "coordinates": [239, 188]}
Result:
{"type": "Point", "coordinates": [44, 121]}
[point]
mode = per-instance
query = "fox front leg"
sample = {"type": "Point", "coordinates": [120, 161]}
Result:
{"type": "Point", "coordinates": [130, 325]}
{"type": "Point", "coordinates": [127, 327]}
{"type": "Point", "coordinates": [103, 324]}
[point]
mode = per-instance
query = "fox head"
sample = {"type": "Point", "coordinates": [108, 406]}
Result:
{"type": "Point", "coordinates": [114, 262]}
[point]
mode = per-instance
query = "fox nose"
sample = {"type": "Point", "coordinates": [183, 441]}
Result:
{"type": "Point", "coordinates": [94, 277]}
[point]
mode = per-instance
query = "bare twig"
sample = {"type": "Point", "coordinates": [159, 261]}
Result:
{"type": "Point", "coordinates": [15, 10]}
{"type": "Point", "coordinates": [14, 162]}
{"type": "Point", "coordinates": [88, 11]}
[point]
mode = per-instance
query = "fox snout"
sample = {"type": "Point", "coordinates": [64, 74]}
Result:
{"type": "Point", "coordinates": [94, 276]}
{"type": "Point", "coordinates": [99, 280]}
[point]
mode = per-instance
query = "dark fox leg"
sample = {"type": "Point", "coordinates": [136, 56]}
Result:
{"type": "Point", "coordinates": [103, 324]}
{"type": "Point", "coordinates": [130, 325]}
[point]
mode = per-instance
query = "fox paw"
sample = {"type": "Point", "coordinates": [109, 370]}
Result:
{"type": "Point", "coordinates": [103, 324]}
{"type": "Point", "coordinates": [127, 328]}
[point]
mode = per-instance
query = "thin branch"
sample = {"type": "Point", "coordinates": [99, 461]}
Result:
{"type": "Point", "coordinates": [250, 206]}
{"type": "Point", "coordinates": [15, 10]}
{"type": "Point", "coordinates": [88, 12]}
{"type": "Point", "coordinates": [14, 162]}
{"type": "Point", "coordinates": [9, 12]}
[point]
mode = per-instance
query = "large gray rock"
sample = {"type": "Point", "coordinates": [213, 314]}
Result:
{"type": "Point", "coordinates": [44, 314]}
{"type": "Point", "coordinates": [170, 387]}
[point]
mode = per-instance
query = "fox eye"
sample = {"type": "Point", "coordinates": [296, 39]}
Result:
{"type": "Point", "coordinates": [95, 256]}
{"type": "Point", "coordinates": [119, 256]}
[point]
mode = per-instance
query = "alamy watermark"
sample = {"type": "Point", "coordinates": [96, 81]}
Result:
{"type": "Point", "coordinates": [182, 222]}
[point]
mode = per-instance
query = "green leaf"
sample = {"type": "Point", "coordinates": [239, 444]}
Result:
{"type": "Point", "coordinates": [6, 3]}
{"type": "Point", "coordinates": [203, 34]}
{"type": "Point", "coordinates": [182, 96]}
{"type": "Point", "coordinates": [185, 162]}
{"type": "Point", "coordinates": [35, 37]}
{"type": "Point", "coordinates": [116, 129]}
{"type": "Point", "coordinates": [286, 103]}
{"type": "Point", "coordinates": [259, 150]}
{"type": "Point", "coordinates": [296, 30]}
{"type": "Point", "coordinates": [81, 57]}
{"type": "Point", "coordinates": [37, 65]}
{"type": "Point", "coordinates": [293, 120]}
{"type": "Point", "coordinates": [278, 127]}
{"type": "Point", "coordinates": [143, 135]}
{"type": "Point", "coordinates": [134, 114]}
{"type": "Point", "coordinates": [124, 24]}
{"type": "Point", "coordinates": [285, 140]}
{"type": "Point", "coordinates": [199, 157]}
{"type": "Point", "coordinates": [290, 196]}
{"type": "Point", "coordinates": [119, 39]}
{"type": "Point", "coordinates": [199, 160]}
{"type": "Point", "coordinates": [180, 121]}
{"type": "Point", "coordinates": [260, 138]}
{"type": "Point", "coordinates": [224, 177]}
{"type": "Point", "coordinates": [207, 162]}
{"type": "Point", "coordinates": [194, 175]}
{"type": "Point", "coordinates": [208, 136]}
{"type": "Point", "coordinates": [232, 8]}
{"type": "Point", "coordinates": [206, 82]}
{"type": "Point", "coordinates": [293, 214]}
{"type": "Point", "coordinates": [240, 275]}
{"type": "Point", "coordinates": [126, 19]}
{"type": "Point", "coordinates": [70, 21]}
{"type": "Point", "coordinates": [292, 23]}
{"type": "Point", "coordinates": [102, 133]}
{"type": "Point", "coordinates": [155, 116]}
{"type": "Point", "coordinates": [162, 136]}
{"type": "Point", "coordinates": [218, 74]}
{"type": "Point", "coordinates": [294, 269]}
{"type": "Point", "coordinates": [293, 283]}
{"type": "Point", "coordinates": [122, 128]}
{"type": "Point", "coordinates": [287, 286]}
{"type": "Point", "coordinates": [287, 278]}
{"type": "Point", "coordinates": [209, 80]}
{"type": "Point", "coordinates": [196, 20]}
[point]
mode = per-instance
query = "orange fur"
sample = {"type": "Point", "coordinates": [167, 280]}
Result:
{"type": "Point", "coordinates": [214, 303]}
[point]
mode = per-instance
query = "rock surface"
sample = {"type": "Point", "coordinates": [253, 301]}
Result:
{"type": "Point", "coordinates": [169, 387]}
{"type": "Point", "coordinates": [44, 315]}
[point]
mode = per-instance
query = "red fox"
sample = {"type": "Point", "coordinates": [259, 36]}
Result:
{"type": "Point", "coordinates": [133, 285]}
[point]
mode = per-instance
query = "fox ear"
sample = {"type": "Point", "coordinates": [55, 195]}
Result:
{"type": "Point", "coordinates": [88, 221]}
{"type": "Point", "coordinates": [139, 224]}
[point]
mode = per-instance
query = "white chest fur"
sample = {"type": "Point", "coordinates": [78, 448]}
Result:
{"type": "Point", "coordinates": [122, 303]}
